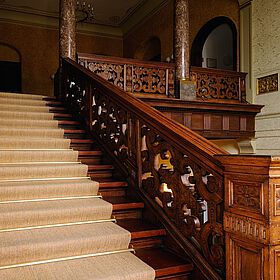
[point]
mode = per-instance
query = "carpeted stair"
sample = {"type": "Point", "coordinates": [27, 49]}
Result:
{"type": "Point", "coordinates": [53, 223]}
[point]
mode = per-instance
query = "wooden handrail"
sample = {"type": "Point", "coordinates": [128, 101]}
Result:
{"type": "Point", "coordinates": [173, 167]}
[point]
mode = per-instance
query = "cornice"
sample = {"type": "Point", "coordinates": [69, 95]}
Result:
{"type": "Point", "coordinates": [52, 22]}
{"type": "Point", "coordinates": [244, 3]}
{"type": "Point", "coordinates": [148, 9]}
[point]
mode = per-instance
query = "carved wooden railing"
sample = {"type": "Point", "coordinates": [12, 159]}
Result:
{"type": "Point", "coordinates": [136, 76]}
{"type": "Point", "coordinates": [171, 166]}
{"type": "Point", "coordinates": [207, 200]}
{"type": "Point", "coordinates": [132, 75]}
{"type": "Point", "coordinates": [219, 84]}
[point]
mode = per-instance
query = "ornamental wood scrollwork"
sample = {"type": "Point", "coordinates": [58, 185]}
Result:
{"type": "Point", "coordinates": [188, 194]}
{"type": "Point", "coordinates": [134, 78]}
{"type": "Point", "coordinates": [219, 84]}
{"type": "Point", "coordinates": [149, 80]}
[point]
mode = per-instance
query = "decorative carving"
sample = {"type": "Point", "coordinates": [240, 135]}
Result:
{"type": "Point", "coordinates": [246, 227]}
{"type": "Point", "coordinates": [247, 196]}
{"type": "Point", "coordinates": [188, 193]}
{"type": "Point", "coordinates": [210, 84]}
{"type": "Point", "coordinates": [133, 78]}
{"type": "Point", "coordinates": [268, 84]}
{"type": "Point", "coordinates": [277, 199]}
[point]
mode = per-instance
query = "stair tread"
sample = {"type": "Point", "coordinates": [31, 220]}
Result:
{"type": "Point", "coordinates": [38, 213]}
{"type": "Point", "coordinates": [140, 228]}
{"type": "Point", "coordinates": [164, 262]}
{"type": "Point", "coordinates": [111, 267]}
{"type": "Point", "coordinates": [62, 241]}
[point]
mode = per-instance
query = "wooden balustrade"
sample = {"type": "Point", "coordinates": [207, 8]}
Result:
{"type": "Point", "coordinates": [222, 210]}
{"type": "Point", "coordinates": [132, 75]}
{"type": "Point", "coordinates": [157, 78]}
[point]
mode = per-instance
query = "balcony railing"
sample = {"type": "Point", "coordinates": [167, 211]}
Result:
{"type": "Point", "coordinates": [158, 78]}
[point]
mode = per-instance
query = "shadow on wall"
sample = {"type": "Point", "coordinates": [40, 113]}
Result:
{"type": "Point", "coordinates": [215, 45]}
{"type": "Point", "coordinates": [10, 68]}
{"type": "Point", "coordinates": [150, 50]}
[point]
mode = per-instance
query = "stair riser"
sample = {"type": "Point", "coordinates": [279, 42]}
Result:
{"type": "Point", "coordinates": [112, 192]}
{"type": "Point", "coordinates": [91, 160]}
{"type": "Point", "coordinates": [127, 214]}
{"type": "Point", "coordinates": [81, 147]}
{"type": "Point", "coordinates": [146, 242]}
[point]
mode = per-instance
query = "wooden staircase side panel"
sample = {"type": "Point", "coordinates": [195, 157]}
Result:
{"type": "Point", "coordinates": [252, 217]}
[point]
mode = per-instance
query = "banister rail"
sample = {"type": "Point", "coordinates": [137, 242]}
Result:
{"type": "Point", "coordinates": [158, 78]}
{"type": "Point", "coordinates": [173, 167]}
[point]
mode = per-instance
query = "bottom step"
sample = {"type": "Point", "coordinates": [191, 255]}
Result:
{"type": "Point", "coordinates": [166, 264]}
{"type": "Point", "coordinates": [125, 266]}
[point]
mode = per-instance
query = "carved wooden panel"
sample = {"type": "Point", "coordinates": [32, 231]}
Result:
{"type": "Point", "coordinates": [277, 264]}
{"type": "Point", "coordinates": [268, 84]}
{"type": "Point", "coordinates": [277, 199]}
{"type": "Point", "coordinates": [244, 260]}
{"type": "Point", "coordinates": [246, 195]}
{"type": "Point", "coordinates": [246, 227]}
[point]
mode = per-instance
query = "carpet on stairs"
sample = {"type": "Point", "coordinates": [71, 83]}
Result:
{"type": "Point", "coordinates": [53, 223]}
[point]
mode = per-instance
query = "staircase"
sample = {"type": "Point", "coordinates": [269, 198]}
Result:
{"type": "Point", "coordinates": [54, 224]}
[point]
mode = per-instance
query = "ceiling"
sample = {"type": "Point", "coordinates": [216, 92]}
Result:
{"type": "Point", "coordinates": [106, 12]}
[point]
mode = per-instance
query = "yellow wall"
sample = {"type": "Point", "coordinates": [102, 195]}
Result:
{"type": "Point", "coordinates": [38, 48]}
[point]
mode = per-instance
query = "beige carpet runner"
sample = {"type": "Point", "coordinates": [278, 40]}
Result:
{"type": "Point", "coordinates": [53, 223]}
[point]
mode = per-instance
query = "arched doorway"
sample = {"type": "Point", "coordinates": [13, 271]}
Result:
{"type": "Point", "coordinates": [10, 68]}
{"type": "Point", "coordinates": [150, 50]}
{"type": "Point", "coordinates": [215, 45]}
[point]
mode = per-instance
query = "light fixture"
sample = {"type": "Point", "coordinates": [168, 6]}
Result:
{"type": "Point", "coordinates": [84, 11]}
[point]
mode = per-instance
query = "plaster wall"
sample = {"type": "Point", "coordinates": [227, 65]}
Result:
{"type": "Point", "coordinates": [266, 61]}
{"type": "Point", "coordinates": [161, 24]}
{"type": "Point", "coordinates": [38, 47]}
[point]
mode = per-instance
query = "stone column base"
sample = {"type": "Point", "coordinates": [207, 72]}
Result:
{"type": "Point", "coordinates": [187, 90]}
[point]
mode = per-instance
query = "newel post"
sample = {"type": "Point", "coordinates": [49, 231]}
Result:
{"type": "Point", "coordinates": [252, 217]}
{"type": "Point", "coordinates": [184, 84]}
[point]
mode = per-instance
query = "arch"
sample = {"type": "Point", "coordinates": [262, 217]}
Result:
{"type": "Point", "coordinates": [203, 34]}
{"type": "Point", "coordinates": [150, 50]}
{"type": "Point", "coordinates": [10, 68]}
{"type": "Point", "coordinates": [9, 53]}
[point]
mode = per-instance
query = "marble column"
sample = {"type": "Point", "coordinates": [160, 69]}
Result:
{"type": "Point", "coordinates": [185, 87]}
{"type": "Point", "coordinates": [182, 44]}
{"type": "Point", "coordinates": [67, 29]}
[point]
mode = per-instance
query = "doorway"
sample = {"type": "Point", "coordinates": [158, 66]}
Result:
{"type": "Point", "coordinates": [10, 69]}
{"type": "Point", "coordinates": [215, 45]}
